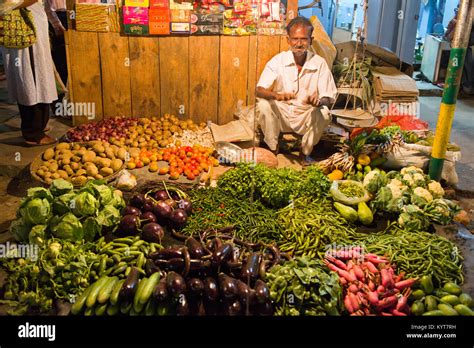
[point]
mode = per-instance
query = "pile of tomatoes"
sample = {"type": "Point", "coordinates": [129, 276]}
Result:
{"type": "Point", "coordinates": [181, 160]}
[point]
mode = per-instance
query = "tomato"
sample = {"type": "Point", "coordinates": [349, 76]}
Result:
{"type": "Point", "coordinates": [189, 154]}
{"type": "Point", "coordinates": [180, 170]}
{"type": "Point", "coordinates": [166, 157]}
{"type": "Point", "coordinates": [139, 164]}
{"type": "Point", "coordinates": [174, 175]}
{"type": "Point", "coordinates": [190, 177]}
{"type": "Point", "coordinates": [163, 171]}
{"type": "Point", "coordinates": [159, 157]}
{"type": "Point", "coordinates": [153, 158]}
{"type": "Point", "coordinates": [196, 172]}
{"type": "Point", "coordinates": [187, 172]}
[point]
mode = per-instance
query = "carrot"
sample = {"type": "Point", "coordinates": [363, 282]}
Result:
{"type": "Point", "coordinates": [371, 267]}
{"type": "Point", "coordinates": [353, 288]}
{"type": "Point", "coordinates": [337, 262]}
{"type": "Point", "coordinates": [359, 273]}
{"type": "Point", "coordinates": [398, 313]}
{"type": "Point", "coordinates": [348, 304]}
{"type": "Point", "coordinates": [407, 283]}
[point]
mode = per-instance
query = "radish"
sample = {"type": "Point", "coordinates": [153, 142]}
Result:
{"type": "Point", "coordinates": [353, 288]}
{"type": "Point", "coordinates": [348, 304]}
{"type": "Point", "coordinates": [399, 277]}
{"type": "Point", "coordinates": [342, 281]}
{"type": "Point", "coordinates": [371, 285]}
{"type": "Point", "coordinates": [341, 272]}
{"type": "Point", "coordinates": [373, 297]}
{"type": "Point", "coordinates": [371, 267]}
{"type": "Point", "coordinates": [388, 302]}
{"type": "Point", "coordinates": [337, 262]}
{"type": "Point", "coordinates": [359, 273]}
{"type": "Point", "coordinates": [380, 289]}
{"type": "Point", "coordinates": [387, 280]}
{"type": "Point", "coordinates": [350, 265]}
{"type": "Point", "coordinates": [407, 283]}
{"type": "Point", "coordinates": [354, 301]}
{"type": "Point", "coordinates": [398, 314]}
{"type": "Point", "coordinates": [387, 314]}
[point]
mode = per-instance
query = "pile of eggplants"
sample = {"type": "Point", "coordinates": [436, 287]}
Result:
{"type": "Point", "coordinates": [213, 277]}
{"type": "Point", "coordinates": [149, 214]}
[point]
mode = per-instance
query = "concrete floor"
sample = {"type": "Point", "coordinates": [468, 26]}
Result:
{"type": "Point", "coordinates": [15, 158]}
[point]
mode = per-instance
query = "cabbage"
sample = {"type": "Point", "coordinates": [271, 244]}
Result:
{"type": "Point", "coordinates": [117, 200]}
{"type": "Point", "coordinates": [35, 211]}
{"type": "Point", "coordinates": [38, 235]}
{"type": "Point", "coordinates": [39, 192]}
{"type": "Point", "coordinates": [67, 226]}
{"type": "Point", "coordinates": [60, 187]}
{"type": "Point", "coordinates": [62, 204]}
{"type": "Point", "coordinates": [104, 193]}
{"type": "Point", "coordinates": [20, 230]}
{"type": "Point", "coordinates": [109, 216]}
{"type": "Point", "coordinates": [91, 228]}
{"type": "Point", "coordinates": [85, 204]}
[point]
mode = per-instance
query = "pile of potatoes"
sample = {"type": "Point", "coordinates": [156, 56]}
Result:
{"type": "Point", "coordinates": [79, 163]}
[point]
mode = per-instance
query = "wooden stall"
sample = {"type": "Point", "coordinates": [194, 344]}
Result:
{"type": "Point", "coordinates": [201, 77]}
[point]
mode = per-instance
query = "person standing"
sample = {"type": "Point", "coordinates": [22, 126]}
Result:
{"type": "Point", "coordinates": [294, 91]}
{"type": "Point", "coordinates": [30, 79]}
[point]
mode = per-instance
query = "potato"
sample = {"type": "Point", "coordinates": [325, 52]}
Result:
{"type": "Point", "coordinates": [76, 159]}
{"type": "Point", "coordinates": [106, 171]}
{"type": "Point", "coordinates": [110, 153]}
{"type": "Point", "coordinates": [102, 155]}
{"type": "Point", "coordinates": [63, 146]}
{"type": "Point", "coordinates": [105, 162]}
{"type": "Point", "coordinates": [74, 165]}
{"type": "Point", "coordinates": [53, 166]}
{"type": "Point", "coordinates": [63, 174]}
{"type": "Point", "coordinates": [81, 172]}
{"type": "Point", "coordinates": [89, 156]}
{"type": "Point", "coordinates": [40, 172]}
{"type": "Point", "coordinates": [98, 148]}
{"type": "Point", "coordinates": [134, 152]}
{"type": "Point", "coordinates": [47, 175]}
{"type": "Point", "coordinates": [68, 170]}
{"type": "Point", "coordinates": [79, 180]}
{"type": "Point", "coordinates": [92, 170]}
{"type": "Point", "coordinates": [65, 161]}
{"type": "Point", "coordinates": [81, 152]}
{"type": "Point", "coordinates": [48, 154]}
{"type": "Point", "coordinates": [116, 164]}
{"type": "Point", "coordinates": [43, 167]}
{"type": "Point", "coordinates": [99, 177]}
{"type": "Point", "coordinates": [76, 147]}
{"type": "Point", "coordinates": [121, 154]}
{"type": "Point", "coordinates": [48, 180]}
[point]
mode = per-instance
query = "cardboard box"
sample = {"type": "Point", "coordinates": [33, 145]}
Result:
{"type": "Point", "coordinates": [159, 28]}
{"type": "Point", "coordinates": [206, 29]}
{"type": "Point", "coordinates": [160, 4]}
{"type": "Point", "coordinates": [137, 3]}
{"type": "Point", "coordinates": [159, 15]}
{"type": "Point", "coordinates": [202, 19]}
{"type": "Point", "coordinates": [136, 29]}
{"type": "Point", "coordinates": [180, 28]}
{"type": "Point", "coordinates": [181, 5]}
{"type": "Point", "coordinates": [135, 15]}
{"type": "Point", "coordinates": [180, 16]}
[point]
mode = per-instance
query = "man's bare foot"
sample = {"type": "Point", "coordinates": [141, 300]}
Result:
{"type": "Point", "coordinates": [46, 140]}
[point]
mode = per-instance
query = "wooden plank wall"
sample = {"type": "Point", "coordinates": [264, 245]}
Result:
{"type": "Point", "coordinates": [198, 77]}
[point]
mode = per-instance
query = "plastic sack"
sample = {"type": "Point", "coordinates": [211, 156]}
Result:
{"type": "Point", "coordinates": [342, 198]}
{"type": "Point", "coordinates": [126, 181]}
{"type": "Point", "coordinates": [8, 5]}
{"type": "Point", "coordinates": [322, 44]}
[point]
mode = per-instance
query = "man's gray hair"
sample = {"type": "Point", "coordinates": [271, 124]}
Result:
{"type": "Point", "coordinates": [300, 21]}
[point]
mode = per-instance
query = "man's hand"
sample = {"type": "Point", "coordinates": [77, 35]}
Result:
{"type": "Point", "coordinates": [314, 99]}
{"type": "Point", "coordinates": [59, 30]}
{"type": "Point", "coordinates": [284, 96]}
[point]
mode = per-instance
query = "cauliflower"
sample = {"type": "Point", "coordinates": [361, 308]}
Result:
{"type": "Point", "coordinates": [374, 180]}
{"type": "Point", "coordinates": [411, 170]}
{"type": "Point", "coordinates": [419, 179]}
{"type": "Point", "coordinates": [397, 188]}
{"type": "Point", "coordinates": [435, 189]}
{"type": "Point", "coordinates": [408, 179]}
{"type": "Point", "coordinates": [421, 196]}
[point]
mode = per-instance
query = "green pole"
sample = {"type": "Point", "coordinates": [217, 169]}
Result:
{"type": "Point", "coordinates": [451, 88]}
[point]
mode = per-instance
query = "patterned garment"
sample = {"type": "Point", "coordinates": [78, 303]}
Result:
{"type": "Point", "coordinates": [17, 29]}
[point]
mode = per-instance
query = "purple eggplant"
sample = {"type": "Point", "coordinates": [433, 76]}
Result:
{"type": "Point", "coordinates": [262, 293]}
{"type": "Point", "coordinates": [178, 218]}
{"type": "Point", "coordinates": [152, 232]}
{"type": "Point", "coordinates": [148, 217]}
{"type": "Point", "coordinates": [137, 200]}
{"type": "Point", "coordinates": [131, 210]}
{"type": "Point", "coordinates": [182, 307]}
{"type": "Point", "coordinates": [162, 210]}
{"type": "Point", "coordinates": [172, 203]}
{"type": "Point", "coordinates": [195, 248]}
{"type": "Point", "coordinates": [251, 267]}
{"type": "Point", "coordinates": [175, 264]}
{"type": "Point", "coordinates": [130, 285]}
{"type": "Point", "coordinates": [175, 283]}
{"type": "Point", "coordinates": [160, 293]}
{"type": "Point", "coordinates": [211, 307]}
{"type": "Point", "coordinates": [227, 287]}
{"type": "Point", "coordinates": [128, 225]}
{"type": "Point", "coordinates": [232, 308]}
{"type": "Point", "coordinates": [186, 205]}
{"type": "Point", "coordinates": [245, 293]}
{"type": "Point", "coordinates": [195, 287]}
{"type": "Point", "coordinates": [148, 204]}
{"type": "Point", "coordinates": [167, 253]}
{"type": "Point", "coordinates": [150, 267]}
{"type": "Point", "coordinates": [223, 253]}
{"type": "Point", "coordinates": [265, 309]}
{"type": "Point", "coordinates": [211, 290]}
{"type": "Point", "coordinates": [161, 195]}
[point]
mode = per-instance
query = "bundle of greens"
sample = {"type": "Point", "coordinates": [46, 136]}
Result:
{"type": "Point", "coordinates": [304, 286]}
{"type": "Point", "coordinates": [275, 188]}
{"type": "Point", "coordinates": [66, 213]}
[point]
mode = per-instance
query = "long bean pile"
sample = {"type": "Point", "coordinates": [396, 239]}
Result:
{"type": "Point", "coordinates": [310, 226]}
{"type": "Point", "coordinates": [417, 253]}
{"type": "Point", "coordinates": [215, 209]}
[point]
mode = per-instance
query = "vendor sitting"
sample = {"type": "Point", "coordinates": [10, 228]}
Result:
{"type": "Point", "coordinates": [294, 91]}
